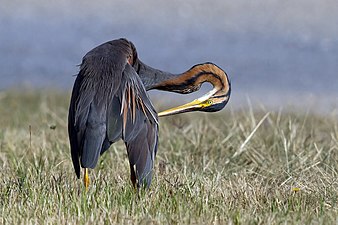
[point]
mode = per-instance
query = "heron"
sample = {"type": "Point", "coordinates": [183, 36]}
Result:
{"type": "Point", "coordinates": [109, 102]}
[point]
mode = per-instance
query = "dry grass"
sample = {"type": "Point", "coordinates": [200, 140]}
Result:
{"type": "Point", "coordinates": [234, 167]}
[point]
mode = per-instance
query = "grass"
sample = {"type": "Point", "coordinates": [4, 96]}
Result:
{"type": "Point", "coordinates": [239, 166]}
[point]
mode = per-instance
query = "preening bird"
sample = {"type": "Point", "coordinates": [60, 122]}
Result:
{"type": "Point", "coordinates": [109, 102]}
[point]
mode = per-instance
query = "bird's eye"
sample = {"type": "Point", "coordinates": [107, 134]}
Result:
{"type": "Point", "coordinates": [209, 102]}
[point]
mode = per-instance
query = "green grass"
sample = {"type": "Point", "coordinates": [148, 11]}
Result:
{"type": "Point", "coordinates": [225, 168]}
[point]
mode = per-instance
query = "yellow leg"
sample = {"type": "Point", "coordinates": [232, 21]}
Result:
{"type": "Point", "coordinates": [86, 180]}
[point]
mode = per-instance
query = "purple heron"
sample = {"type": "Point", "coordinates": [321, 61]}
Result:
{"type": "Point", "coordinates": [109, 102]}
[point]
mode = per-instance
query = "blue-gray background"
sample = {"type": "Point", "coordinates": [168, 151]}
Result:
{"type": "Point", "coordinates": [276, 52]}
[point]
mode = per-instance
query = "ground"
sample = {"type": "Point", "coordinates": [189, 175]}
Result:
{"type": "Point", "coordinates": [238, 166]}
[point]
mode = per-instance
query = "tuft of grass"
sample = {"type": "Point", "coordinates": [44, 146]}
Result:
{"type": "Point", "coordinates": [243, 166]}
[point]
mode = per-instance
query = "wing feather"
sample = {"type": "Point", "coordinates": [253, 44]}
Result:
{"type": "Point", "coordinates": [98, 80]}
{"type": "Point", "coordinates": [140, 131]}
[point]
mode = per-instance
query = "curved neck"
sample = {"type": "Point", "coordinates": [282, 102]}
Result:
{"type": "Point", "coordinates": [192, 79]}
{"type": "Point", "coordinates": [151, 77]}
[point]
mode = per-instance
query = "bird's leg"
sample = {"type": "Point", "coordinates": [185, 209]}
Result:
{"type": "Point", "coordinates": [134, 181]}
{"type": "Point", "coordinates": [133, 176]}
{"type": "Point", "coordinates": [86, 180]}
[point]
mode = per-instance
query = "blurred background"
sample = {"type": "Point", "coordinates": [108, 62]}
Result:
{"type": "Point", "coordinates": [276, 53]}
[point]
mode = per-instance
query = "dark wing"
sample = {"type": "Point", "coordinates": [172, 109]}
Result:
{"type": "Point", "coordinates": [139, 126]}
{"type": "Point", "coordinates": [74, 144]}
{"type": "Point", "coordinates": [114, 123]}
{"type": "Point", "coordinates": [98, 80]}
{"type": "Point", "coordinates": [87, 122]}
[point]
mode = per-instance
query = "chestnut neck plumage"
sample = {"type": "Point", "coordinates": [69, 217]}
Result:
{"type": "Point", "coordinates": [186, 82]}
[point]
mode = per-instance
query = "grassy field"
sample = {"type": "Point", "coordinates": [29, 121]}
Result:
{"type": "Point", "coordinates": [235, 167]}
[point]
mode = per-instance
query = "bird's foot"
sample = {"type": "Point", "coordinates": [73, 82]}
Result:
{"type": "Point", "coordinates": [86, 180]}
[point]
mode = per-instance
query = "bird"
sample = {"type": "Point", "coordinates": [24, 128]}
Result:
{"type": "Point", "coordinates": [109, 102]}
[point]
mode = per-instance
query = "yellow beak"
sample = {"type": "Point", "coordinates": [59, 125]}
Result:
{"type": "Point", "coordinates": [196, 104]}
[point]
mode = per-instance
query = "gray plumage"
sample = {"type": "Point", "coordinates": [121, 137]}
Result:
{"type": "Point", "coordinates": [109, 102]}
